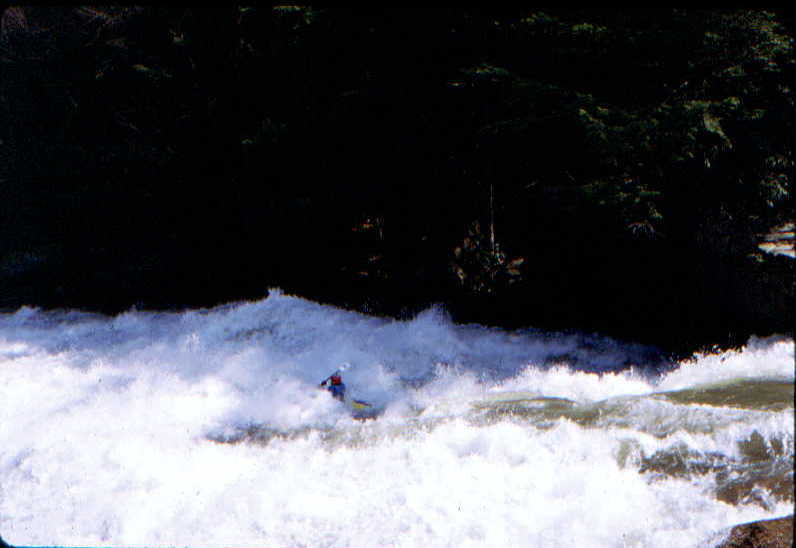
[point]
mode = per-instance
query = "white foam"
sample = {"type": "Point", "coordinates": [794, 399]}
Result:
{"type": "Point", "coordinates": [761, 358]}
{"type": "Point", "coordinates": [105, 425]}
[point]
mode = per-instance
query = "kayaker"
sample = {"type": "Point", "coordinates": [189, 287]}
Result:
{"type": "Point", "coordinates": [334, 384]}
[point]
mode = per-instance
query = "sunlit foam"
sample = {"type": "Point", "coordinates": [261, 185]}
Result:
{"type": "Point", "coordinates": [112, 433]}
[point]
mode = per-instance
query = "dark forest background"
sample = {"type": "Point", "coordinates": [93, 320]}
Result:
{"type": "Point", "coordinates": [606, 170]}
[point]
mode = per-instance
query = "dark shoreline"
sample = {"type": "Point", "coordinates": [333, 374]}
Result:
{"type": "Point", "coordinates": [770, 533]}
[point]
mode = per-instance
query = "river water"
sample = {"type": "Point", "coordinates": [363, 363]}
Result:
{"type": "Point", "coordinates": [205, 428]}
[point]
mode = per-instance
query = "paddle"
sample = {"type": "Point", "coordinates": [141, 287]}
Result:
{"type": "Point", "coordinates": [339, 370]}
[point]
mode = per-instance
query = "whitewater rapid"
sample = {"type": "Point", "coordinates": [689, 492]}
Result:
{"type": "Point", "coordinates": [206, 428]}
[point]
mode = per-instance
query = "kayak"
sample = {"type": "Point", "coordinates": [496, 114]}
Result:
{"type": "Point", "coordinates": [362, 410]}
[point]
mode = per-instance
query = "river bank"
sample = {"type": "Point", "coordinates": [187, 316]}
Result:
{"type": "Point", "coordinates": [769, 533]}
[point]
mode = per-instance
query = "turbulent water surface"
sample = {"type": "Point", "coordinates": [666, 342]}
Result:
{"type": "Point", "coordinates": [205, 428]}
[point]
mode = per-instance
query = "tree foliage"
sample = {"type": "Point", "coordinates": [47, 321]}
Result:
{"type": "Point", "coordinates": [554, 161]}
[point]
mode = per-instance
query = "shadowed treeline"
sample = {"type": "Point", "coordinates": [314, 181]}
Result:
{"type": "Point", "coordinates": [609, 170]}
